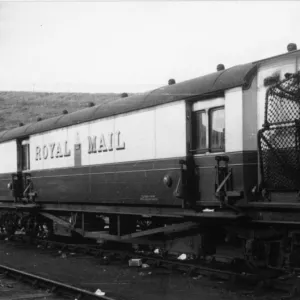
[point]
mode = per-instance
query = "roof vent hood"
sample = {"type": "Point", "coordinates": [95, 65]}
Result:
{"type": "Point", "coordinates": [291, 47]}
{"type": "Point", "coordinates": [220, 67]}
{"type": "Point", "coordinates": [171, 81]}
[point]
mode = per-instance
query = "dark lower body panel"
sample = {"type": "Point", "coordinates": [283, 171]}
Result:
{"type": "Point", "coordinates": [123, 183]}
{"type": "Point", "coordinates": [244, 177]}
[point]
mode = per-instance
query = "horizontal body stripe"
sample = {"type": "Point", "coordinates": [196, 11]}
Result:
{"type": "Point", "coordinates": [238, 157]}
{"type": "Point", "coordinates": [230, 165]}
{"type": "Point", "coordinates": [141, 165]}
{"type": "Point", "coordinates": [103, 173]}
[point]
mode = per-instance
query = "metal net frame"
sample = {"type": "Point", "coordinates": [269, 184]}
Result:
{"type": "Point", "coordinates": [279, 140]}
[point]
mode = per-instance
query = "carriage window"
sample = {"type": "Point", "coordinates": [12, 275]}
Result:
{"type": "Point", "coordinates": [199, 131]}
{"type": "Point", "coordinates": [217, 129]}
{"type": "Point", "coordinates": [25, 159]}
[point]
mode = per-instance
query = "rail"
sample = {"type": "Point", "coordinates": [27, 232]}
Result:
{"type": "Point", "coordinates": [52, 285]}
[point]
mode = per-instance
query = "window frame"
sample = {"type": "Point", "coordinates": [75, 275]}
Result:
{"type": "Point", "coordinates": [210, 111]}
{"type": "Point", "coordinates": [23, 155]}
{"type": "Point", "coordinates": [25, 158]}
{"type": "Point", "coordinates": [206, 149]}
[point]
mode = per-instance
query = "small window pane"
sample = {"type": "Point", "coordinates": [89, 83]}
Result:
{"type": "Point", "coordinates": [199, 128]}
{"type": "Point", "coordinates": [217, 130]}
{"type": "Point", "coordinates": [25, 157]}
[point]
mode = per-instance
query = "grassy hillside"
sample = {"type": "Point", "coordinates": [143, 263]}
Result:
{"type": "Point", "coordinates": [26, 107]}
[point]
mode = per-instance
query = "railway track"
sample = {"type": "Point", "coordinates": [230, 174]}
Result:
{"type": "Point", "coordinates": [13, 289]}
{"type": "Point", "coordinates": [234, 272]}
{"type": "Point", "coordinates": [18, 285]}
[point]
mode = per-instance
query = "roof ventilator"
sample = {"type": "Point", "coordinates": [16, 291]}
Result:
{"type": "Point", "coordinates": [171, 81]}
{"type": "Point", "coordinates": [291, 47]}
{"type": "Point", "coordinates": [220, 67]}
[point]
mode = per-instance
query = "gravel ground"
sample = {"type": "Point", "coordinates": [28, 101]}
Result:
{"type": "Point", "coordinates": [120, 281]}
{"type": "Point", "coordinates": [12, 289]}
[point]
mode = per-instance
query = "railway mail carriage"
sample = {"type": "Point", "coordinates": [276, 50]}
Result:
{"type": "Point", "coordinates": [173, 152]}
{"type": "Point", "coordinates": [128, 151]}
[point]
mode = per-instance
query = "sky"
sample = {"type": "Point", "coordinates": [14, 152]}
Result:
{"type": "Point", "coordinates": [135, 46]}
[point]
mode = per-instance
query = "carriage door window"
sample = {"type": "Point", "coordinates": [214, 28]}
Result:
{"type": "Point", "coordinates": [25, 157]}
{"type": "Point", "coordinates": [217, 130]}
{"type": "Point", "coordinates": [199, 125]}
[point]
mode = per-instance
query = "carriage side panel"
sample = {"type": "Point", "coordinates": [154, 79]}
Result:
{"type": "Point", "coordinates": [122, 159]}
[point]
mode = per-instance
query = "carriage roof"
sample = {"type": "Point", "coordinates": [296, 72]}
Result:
{"type": "Point", "coordinates": [204, 86]}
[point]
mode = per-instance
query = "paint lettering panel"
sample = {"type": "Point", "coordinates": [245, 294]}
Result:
{"type": "Point", "coordinates": [147, 134]}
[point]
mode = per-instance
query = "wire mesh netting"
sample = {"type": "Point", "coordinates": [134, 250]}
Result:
{"type": "Point", "coordinates": [279, 140]}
